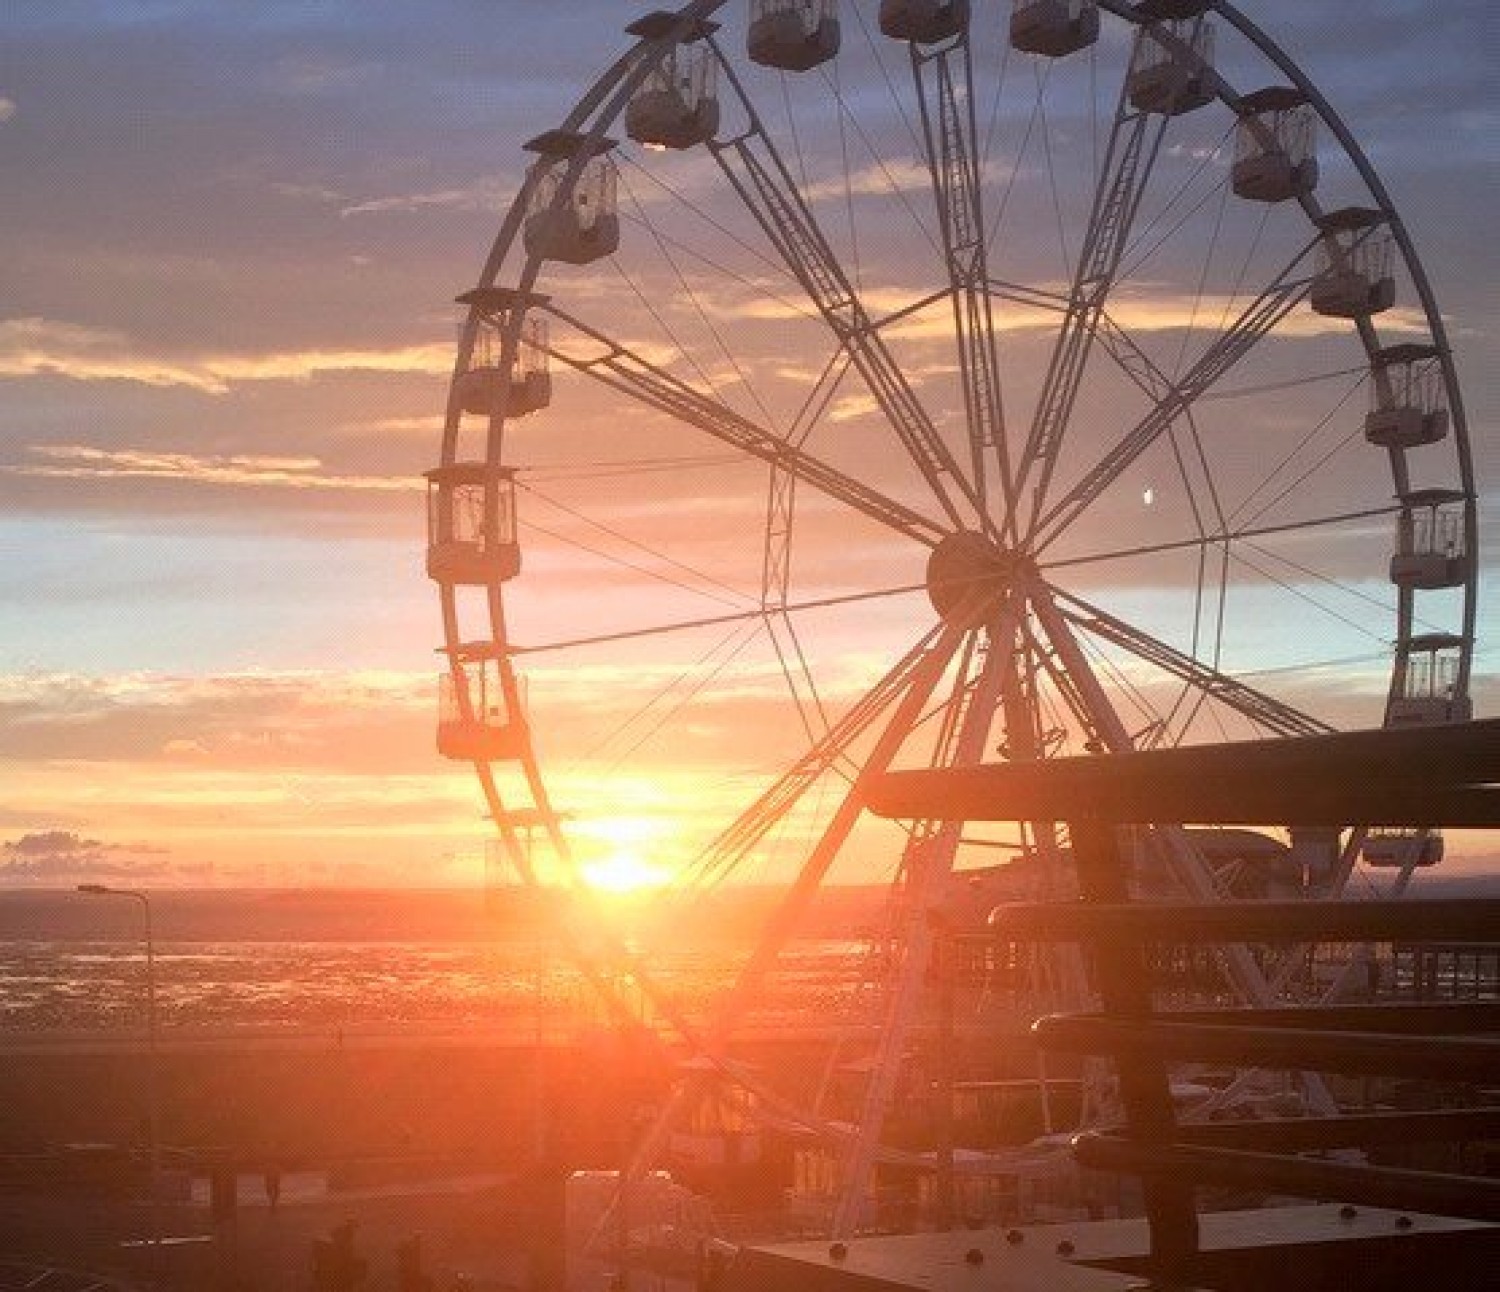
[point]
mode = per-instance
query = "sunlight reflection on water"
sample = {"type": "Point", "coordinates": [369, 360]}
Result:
{"type": "Point", "coordinates": [46, 986]}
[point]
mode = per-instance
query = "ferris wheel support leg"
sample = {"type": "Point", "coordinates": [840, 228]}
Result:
{"type": "Point", "coordinates": [919, 686]}
{"type": "Point", "coordinates": [927, 864]}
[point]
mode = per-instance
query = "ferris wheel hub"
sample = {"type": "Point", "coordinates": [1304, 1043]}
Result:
{"type": "Point", "coordinates": [969, 575]}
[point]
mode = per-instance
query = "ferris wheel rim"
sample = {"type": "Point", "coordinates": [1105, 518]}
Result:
{"type": "Point", "coordinates": [601, 106]}
{"type": "Point", "coordinates": [603, 103]}
{"type": "Point", "coordinates": [594, 116]}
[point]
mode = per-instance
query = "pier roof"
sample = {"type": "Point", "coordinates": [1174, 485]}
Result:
{"type": "Point", "coordinates": [1427, 776]}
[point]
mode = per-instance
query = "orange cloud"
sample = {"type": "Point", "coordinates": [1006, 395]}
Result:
{"type": "Point", "coordinates": [257, 719]}
{"type": "Point", "coordinates": [38, 347]}
{"type": "Point", "coordinates": [84, 462]}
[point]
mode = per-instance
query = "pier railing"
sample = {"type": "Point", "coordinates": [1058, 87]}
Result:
{"type": "Point", "coordinates": [1445, 776]}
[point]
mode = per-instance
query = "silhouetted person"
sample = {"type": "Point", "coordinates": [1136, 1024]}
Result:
{"type": "Point", "coordinates": [336, 1267]}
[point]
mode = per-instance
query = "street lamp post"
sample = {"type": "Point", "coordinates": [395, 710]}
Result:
{"type": "Point", "coordinates": [153, 1124]}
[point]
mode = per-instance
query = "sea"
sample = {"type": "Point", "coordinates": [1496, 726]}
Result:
{"type": "Point", "coordinates": [322, 960]}
{"type": "Point", "coordinates": [331, 960]}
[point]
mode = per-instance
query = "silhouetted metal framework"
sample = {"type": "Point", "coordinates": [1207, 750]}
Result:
{"type": "Point", "coordinates": [1450, 776]}
{"type": "Point", "coordinates": [1006, 645]}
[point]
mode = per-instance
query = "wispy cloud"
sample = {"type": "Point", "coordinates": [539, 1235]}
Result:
{"type": "Point", "coordinates": [1143, 310]}
{"type": "Point", "coordinates": [310, 690]}
{"type": "Point", "coordinates": [319, 193]}
{"type": "Point", "coordinates": [489, 196]}
{"type": "Point", "coordinates": [84, 462]}
{"type": "Point", "coordinates": [233, 815]}
{"type": "Point", "coordinates": [320, 74]}
{"type": "Point", "coordinates": [852, 407]}
{"type": "Point", "coordinates": [427, 424]}
{"type": "Point", "coordinates": [900, 175]}
{"type": "Point", "coordinates": [1167, 313]}
{"type": "Point", "coordinates": [40, 347]}
{"type": "Point", "coordinates": [262, 719]}
{"type": "Point", "coordinates": [1162, 313]}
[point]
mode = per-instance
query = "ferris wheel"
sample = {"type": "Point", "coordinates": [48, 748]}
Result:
{"type": "Point", "coordinates": [853, 386]}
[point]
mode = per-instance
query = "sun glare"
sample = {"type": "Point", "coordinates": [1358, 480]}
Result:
{"type": "Point", "coordinates": [622, 868]}
{"type": "Point", "coordinates": [622, 872]}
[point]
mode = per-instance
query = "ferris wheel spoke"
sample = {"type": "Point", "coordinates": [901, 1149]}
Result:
{"type": "Point", "coordinates": [1134, 142]}
{"type": "Point", "coordinates": [921, 672]}
{"type": "Point", "coordinates": [755, 170]}
{"type": "Point", "coordinates": [730, 849]}
{"type": "Point", "coordinates": [1156, 385]}
{"type": "Point", "coordinates": [1263, 710]}
{"type": "Point", "coordinates": [1131, 359]}
{"type": "Point", "coordinates": [944, 79]}
{"type": "Point", "coordinates": [710, 621]}
{"type": "Point", "coordinates": [1254, 323]}
{"type": "Point", "coordinates": [630, 373]}
{"type": "Point", "coordinates": [1222, 536]}
{"type": "Point", "coordinates": [1028, 294]}
{"type": "Point", "coordinates": [1181, 854]}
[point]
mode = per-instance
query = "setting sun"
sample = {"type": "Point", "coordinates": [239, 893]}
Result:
{"type": "Point", "coordinates": [621, 866]}
{"type": "Point", "coordinates": [622, 872]}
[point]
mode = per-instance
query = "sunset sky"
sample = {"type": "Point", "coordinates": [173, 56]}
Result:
{"type": "Point", "coordinates": [232, 237]}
